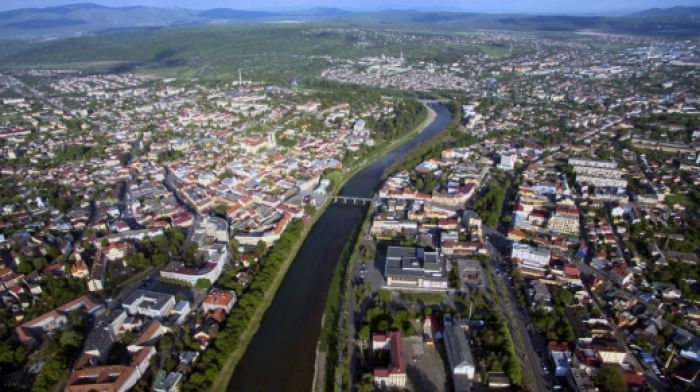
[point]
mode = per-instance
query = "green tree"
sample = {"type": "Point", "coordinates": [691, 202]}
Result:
{"type": "Point", "coordinates": [453, 277]}
{"type": "Point", "coordinates": [364, 333]}
{"type": "Point", "coordinates": [226, 174]}
{"type": "Point", "coordinates": [39, 263]}
{"type": "Point", "coordinates": [233, 244]}
{"type": "Point", "coordinates": [203, 283]}
{"type": "Point", "coordinates": [366, 383]}
{"type": "Point", "coordinates": [260, 248]}
{"type": "Point", "coordinates": [610, 379]}
{"type": "Point", "coordinates": [7, 354]}
{"type": "Point", "coordinates": [71, 339]}
{"type": "Point", "coordinates": [220, 211]}
{"type": "Point", "coordinates": [20, 355]}
{"type": "Point", "coordinates": [24, 266]}
{"type": "Point", "coordinates": [53, 252]}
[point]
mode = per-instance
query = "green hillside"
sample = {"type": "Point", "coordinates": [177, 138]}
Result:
{"type": "Point", "coordinates": [82, 19]}
{"type": "Point", "coordinates": [86, 18]}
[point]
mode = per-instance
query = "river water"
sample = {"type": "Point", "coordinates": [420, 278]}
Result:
{"type": "Point", "coordinates": [281, 356]}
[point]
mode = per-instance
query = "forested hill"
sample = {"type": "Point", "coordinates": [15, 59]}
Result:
{"type": "Point", "coordinates": [90, 19]}
{"type": "Point", "coordinates": [673, 12]}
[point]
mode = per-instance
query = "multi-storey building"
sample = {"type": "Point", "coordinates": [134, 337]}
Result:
{"type": "Point", "coordinates": [408, 267]}
{"type": "Point", "coordinates": [149, 303]}
{"type": "Point", "coordinates": [393, 375]}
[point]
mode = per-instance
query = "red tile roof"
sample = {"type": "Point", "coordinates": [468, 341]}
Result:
{"type": "Point", "coordinates": [571, 270]}
{"type": "Point", "coordinates": [397, 364]}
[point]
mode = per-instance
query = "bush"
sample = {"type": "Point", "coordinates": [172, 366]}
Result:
{"type": "Point", "coordinates": [203, 283]}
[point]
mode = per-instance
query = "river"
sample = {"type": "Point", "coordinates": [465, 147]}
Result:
{"type": "Point", "coordinates": [281, 356]}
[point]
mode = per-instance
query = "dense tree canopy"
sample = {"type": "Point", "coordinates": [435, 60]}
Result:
{"type": "Point", "coordinates": [610, 379]}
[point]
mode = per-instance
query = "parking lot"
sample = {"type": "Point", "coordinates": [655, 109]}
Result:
{"type": "Point", "coordinates": [425, 366]}
{"type": "Point", "coordinates": [373, 271]}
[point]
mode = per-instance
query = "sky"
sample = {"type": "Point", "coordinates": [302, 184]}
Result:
{"type": "Point", "coordinates": [534, 6]}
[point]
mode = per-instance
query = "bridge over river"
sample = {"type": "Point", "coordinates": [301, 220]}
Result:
{"type": "Point", "coordinates": [281, 356]}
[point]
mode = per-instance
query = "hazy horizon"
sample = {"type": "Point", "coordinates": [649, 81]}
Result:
{"type": "Point", "coordinates": [522, 6]}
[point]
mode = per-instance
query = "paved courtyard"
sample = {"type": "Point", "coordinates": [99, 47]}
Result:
{"type": "Point", "coordinates": [425, 367]}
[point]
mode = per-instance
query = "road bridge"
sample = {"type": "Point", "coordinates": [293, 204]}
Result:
{"type": "Point", "coordinates": [351, 200]}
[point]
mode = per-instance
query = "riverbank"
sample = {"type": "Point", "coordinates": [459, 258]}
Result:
{"type": "Point", "coordinates": [221, 383]}
{"type": "Point", "coordinates": [227, 370]}
{"type": "Point", "coordinates": [371, 158]}
{"type": "Point", "coordinates": [330, 343]}
{"type": "Point", "coordinates": [333, 340]}
{"type": "Point", "coordinates": [291, 326]}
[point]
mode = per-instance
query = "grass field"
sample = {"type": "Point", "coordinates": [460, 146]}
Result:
{"type": "Point", "coordinates": [385, 295]}
{"type": "Point", "coordinates": [423, 297]}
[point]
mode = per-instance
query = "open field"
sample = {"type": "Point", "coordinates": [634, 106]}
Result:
{"type": "Point", "coordinates": [423, 297]}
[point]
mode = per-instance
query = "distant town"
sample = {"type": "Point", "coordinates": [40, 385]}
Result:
{"type": "Point", "coordinates": [547, 240]}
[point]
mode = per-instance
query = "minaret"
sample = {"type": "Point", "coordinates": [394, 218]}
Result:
{"type": "Point", "coordinates": [402, 56]}
{"type": "Point", "coordinates": [240, 77]}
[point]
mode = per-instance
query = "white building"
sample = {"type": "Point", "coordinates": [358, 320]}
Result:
{"type": "Point", "coordinates": [564, 220]}
{"type": "Point", "coordinates": [214, 227]}
{"type": "Point", "coordinates": [602, 182]}
{"type": "Point", "coordinates": [216, 256]}
{"type": "Point", "coordinates": [219, 299]}
{"type": "Point", "coordinates": [592, 163]}
{"type": "Point", "coordinates": [507, 161]}
{"type": "Point", "coordinates": [598, 172]}
{"type": "Point", "coordinates": [149, 303]}
{"type": "Point", "coordinates": [530, 256]}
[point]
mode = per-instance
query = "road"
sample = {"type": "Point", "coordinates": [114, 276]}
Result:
{"type": "Point", "coordinates": [518, 319]}
{"type": "Point", "coordinates": [518, 322]}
